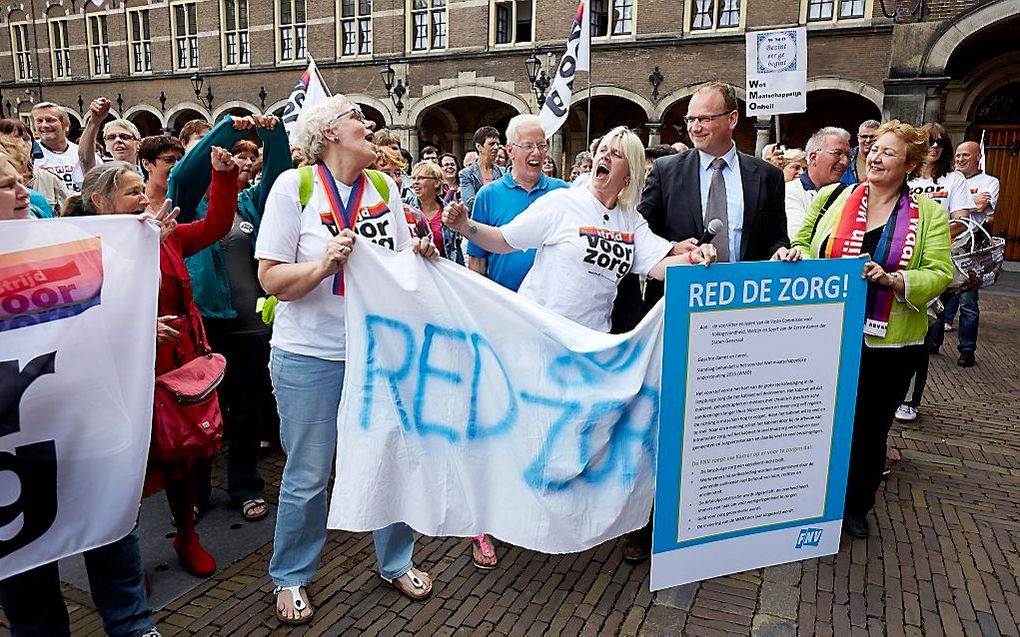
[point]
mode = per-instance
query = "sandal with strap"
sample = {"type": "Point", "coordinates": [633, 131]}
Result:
{"type": "Point", "coordinates": [298, 597]}
{"type": "Point", "coordinates": [250, 510]}
{"type": "Point", "coordinates": [414, 584]}
{"type": "Point", "coordinates": [483, 543]}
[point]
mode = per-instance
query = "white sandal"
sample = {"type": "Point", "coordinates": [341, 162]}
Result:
{"type": "Point", "coordinates": [412, 586]}
{"type": "Point", "coordinates": [297, 601]}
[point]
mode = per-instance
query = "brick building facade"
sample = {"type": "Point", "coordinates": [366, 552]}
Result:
{"type": "Point", "coordinates": [463, 60]}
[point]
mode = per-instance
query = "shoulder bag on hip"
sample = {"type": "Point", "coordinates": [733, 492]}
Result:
{"type": "Point", "coordinates": [187, 424]}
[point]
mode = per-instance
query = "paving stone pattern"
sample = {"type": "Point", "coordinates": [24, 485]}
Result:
{"type": "Point", "coordinates": [943, 559]}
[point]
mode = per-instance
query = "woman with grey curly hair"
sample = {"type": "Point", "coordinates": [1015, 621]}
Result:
{"type": "Point", "coordinates": [302, 252]}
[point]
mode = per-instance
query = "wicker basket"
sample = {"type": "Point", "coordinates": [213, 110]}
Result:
{"type": "Point", "coordinates": [977, 258]}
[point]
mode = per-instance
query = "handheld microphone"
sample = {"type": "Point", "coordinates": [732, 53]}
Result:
{"type": "Point", "coordinates": [714, 227]}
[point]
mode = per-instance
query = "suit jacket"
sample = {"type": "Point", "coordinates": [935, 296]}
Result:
{"type": "Point", "coordinates": [671, 202]}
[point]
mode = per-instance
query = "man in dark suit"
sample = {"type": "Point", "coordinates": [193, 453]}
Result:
{"type": "Point", "coordinates": [712, 180]}
{"type": "Point", "coordinates": [684, 192]}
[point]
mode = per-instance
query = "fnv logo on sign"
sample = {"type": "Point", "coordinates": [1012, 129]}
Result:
{"type": "Point", "coordinates": [50, 283]}
{"type": "Point", "coordinates": [808, 537]}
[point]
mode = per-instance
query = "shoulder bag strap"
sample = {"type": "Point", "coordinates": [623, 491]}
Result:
{"type": "Point", "coordinates": [833, 196]}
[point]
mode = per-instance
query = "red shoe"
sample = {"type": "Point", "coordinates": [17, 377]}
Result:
{"type": "Point", "coordinates": [195, 559]}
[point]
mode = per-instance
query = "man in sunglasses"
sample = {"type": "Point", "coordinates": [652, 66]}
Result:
{"type": "Point", "coordinates": [828, 155]}
{"type": "Point", "coordinates": [120, 137]}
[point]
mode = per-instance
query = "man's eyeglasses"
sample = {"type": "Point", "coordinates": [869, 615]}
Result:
{"type": "Point", "coordinates": [528, 146]}
{"type": "Point", "coordinates": [867, 138]}
{"type": "Point", "coordinates": [169, 159]}
{"type": "Point", "coordinates": [703, 119]}
{"type": "Point", "coordinates": [127, 137]}
{"type": "Point", "coordinates": [835, 153]}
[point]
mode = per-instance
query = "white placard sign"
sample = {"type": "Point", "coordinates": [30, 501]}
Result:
{"type": "Point", "coordinates": [776, 72]}
{"type": "Point", "coordinates": [77, 359]}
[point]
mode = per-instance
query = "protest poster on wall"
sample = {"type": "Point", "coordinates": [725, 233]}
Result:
{"type": "Point", "coordinates": [776, 72]}
{"type": "Point", "coordinates": [759, 388]}
{"type": "Point", "coordinates": [77, 358]}
{"type": "Point", "coordinates": [467, 408]}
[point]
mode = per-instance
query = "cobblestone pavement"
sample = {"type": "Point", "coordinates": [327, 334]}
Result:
{"type": "Point", "coordinates": [943, 560]}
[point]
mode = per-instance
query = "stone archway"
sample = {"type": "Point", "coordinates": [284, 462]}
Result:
{"type": "Point", "coordinates": [450, 124]}
{"type": "Point", "coordinates": [937, 56]}
{"type": "Point", "coordinates": [609, 109]}
{"type": "Point", "coordinates": [675, 130]}
{"type": "Point", "coordinates": [828, 107]}
{"type": "Point", "coordinates": [148, 120]}
{"type": "Point", "coordinates": [235, 107]}
{"type": "Point", "coordinates": [181, 115]}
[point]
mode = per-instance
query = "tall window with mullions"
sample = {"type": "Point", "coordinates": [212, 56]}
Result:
{"type": "Point", "coordinates": [355, 27]}
{"type": "Point", "coordinates": [99, 45]}
{"type": "Point", "coordinates": [186, 35]}
{"type": "Point", "coordinates": [851, 9]}
{"type": "Point", "coordinates": [60, 49]}
{"type": "Point", "coordinates": [293, 30]}
{"type": "Point", "coordinates": [713, 14]}
{"type": "Point", "coordinates": [235, 32]}
{"type": "Point", "coordinates": [428, 25]}
{"type": "Point", "coordinates": [141, 41]}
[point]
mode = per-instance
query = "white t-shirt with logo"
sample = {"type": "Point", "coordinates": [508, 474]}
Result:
{"type": "Point", "coordinates": [582, 256]}
{"type": "Point", "coordinates": [983, 182]}
{"type": "Point", "coordinates": [314, 324]}
{"type": "Point", "coordinates": [950, 190]}
{"type": "Point", "coordinates": [66, 166]}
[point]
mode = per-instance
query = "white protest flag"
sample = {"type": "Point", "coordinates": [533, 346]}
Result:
{"type": "Point", "coordinates": [577, 58]}
{"type": "Point", "coordinates": [77, 354]}
{"type": "Point", "coordinates": [468, 408]}
{"type": "Point", "coordinates": [308, 91]}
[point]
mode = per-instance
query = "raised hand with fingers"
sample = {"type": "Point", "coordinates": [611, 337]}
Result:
{"type": "Point", "coordinates": [455, 216]}
{"type": "Point", "coordinates": [165, 218]}
{"type": "Point", "coordinates": [244, 123]}
{"type": "Point", "coordinates": [100, 107]}
{"type": "Point", "coordinates": [221, 159]}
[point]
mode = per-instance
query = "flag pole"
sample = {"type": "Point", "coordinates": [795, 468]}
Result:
{"type": "Point", "coordinates": [587, 134]}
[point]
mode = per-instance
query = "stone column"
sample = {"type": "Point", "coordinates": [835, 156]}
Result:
{"type": "Point", "coordinates": [763, 126]}
{"type": "Point", "coordinates": [654, 133]}
{"type": "Point", "coordinates": [556, 150]}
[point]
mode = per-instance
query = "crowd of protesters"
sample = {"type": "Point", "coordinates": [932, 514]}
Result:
{"type": "Point", "coordinates": [242, 222]}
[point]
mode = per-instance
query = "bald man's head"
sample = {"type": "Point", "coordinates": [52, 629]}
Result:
{"type": "Point", "coordinates": [968, 158]}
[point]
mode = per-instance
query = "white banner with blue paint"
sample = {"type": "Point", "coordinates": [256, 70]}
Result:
{"type": "Point", "coordinates": [468, 409]}
{"type": "Point", "coordinates": [754, 446]}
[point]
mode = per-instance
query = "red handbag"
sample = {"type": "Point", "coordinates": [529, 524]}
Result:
{"type": "Point", "coordinates": [187, 424]}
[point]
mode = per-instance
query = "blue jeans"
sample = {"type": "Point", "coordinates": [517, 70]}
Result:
{"type": "Point", "coordinates": [952, 307]}
{"type": "Point", "coordinates": [35, 606]}
{"type": "Point", "coordinates": [969, 315]}
{"type": "Point", "coordinates": [308, 396]}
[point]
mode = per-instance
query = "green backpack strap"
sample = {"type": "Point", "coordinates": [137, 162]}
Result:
{"type": "Point", "coordinates": [378, 180]}
{"type": "Point", "coordinates": [306, 184]}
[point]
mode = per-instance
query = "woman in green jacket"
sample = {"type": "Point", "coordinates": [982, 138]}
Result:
{"type": "Point", "coordinates": [224, 278]}
{"type": "Point", "coordinates": [907, 238]}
